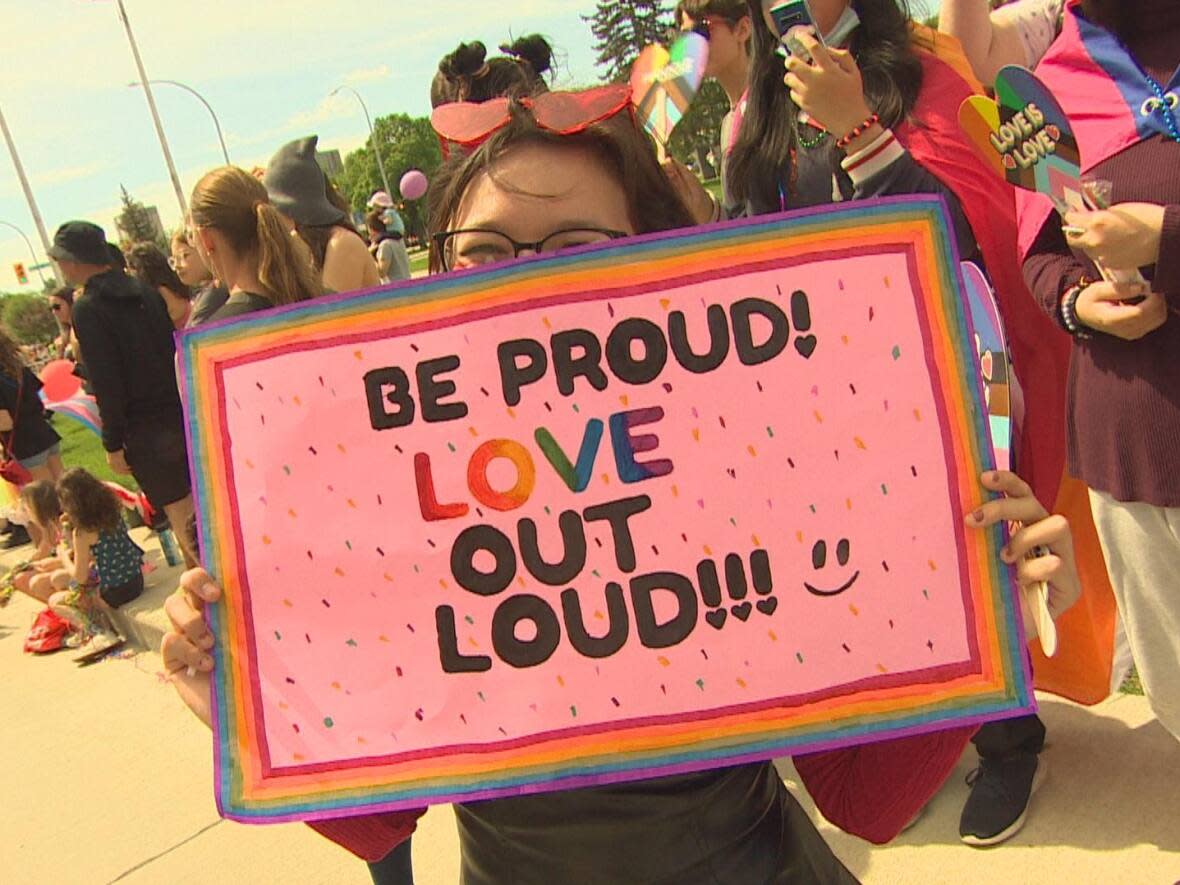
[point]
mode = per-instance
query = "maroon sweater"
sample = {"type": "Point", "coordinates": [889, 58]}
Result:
{"type": "Point", "coordinates": [1123, 411]}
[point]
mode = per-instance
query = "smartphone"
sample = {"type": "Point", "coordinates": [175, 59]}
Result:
{"type": "Point", "coordinates": [789, 16]}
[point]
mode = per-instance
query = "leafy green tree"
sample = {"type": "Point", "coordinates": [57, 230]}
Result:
{"type": "Point", "coordinates": [700, 130]}
{"type": "Point", "coordinates": [28, 318]}
{"type": "Point", "coordinates": [136, 224]}
{"type": "Point", "coordinates": [405, 143]}
{"type": "Point", "coordinates": [622, 28]}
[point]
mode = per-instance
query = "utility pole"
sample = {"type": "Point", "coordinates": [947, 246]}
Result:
{"type": "Point", "coordinates": [147, 90]}
{"type": "Point", "coordinates": [24, 183]}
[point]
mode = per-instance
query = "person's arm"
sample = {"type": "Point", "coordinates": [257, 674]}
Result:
{"type": "Point", "coordinates": [5, 421]}
{"type": "Point", "coordinates": [1055, 275]}
{"type": "Point", "coordinates": [187, 653]}
{"type": "Point", "coordinates": [79, 568]}
{"type": "Point", "coordinates": [348, 265]}
{"type": "Point", "coordinates": [989, 41]}
{"type": "Point", "coordinates": [104, 371]}
{"type": "Point", "coordinates": [385, 259]}
{"type": "Point", "coordinates": [893, 171]}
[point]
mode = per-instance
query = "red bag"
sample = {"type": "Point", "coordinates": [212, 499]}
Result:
{"type": "Point", "coordinates": [48, 634]}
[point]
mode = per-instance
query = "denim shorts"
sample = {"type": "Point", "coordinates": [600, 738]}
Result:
{"type": "Point", "coordinates": [41, 458]}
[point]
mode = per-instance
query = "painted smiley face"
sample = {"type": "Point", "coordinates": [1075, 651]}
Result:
{"type": "Point", "coordinates": [819, 559]}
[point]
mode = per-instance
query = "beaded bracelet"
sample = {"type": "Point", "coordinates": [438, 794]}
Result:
{"type": "Point", "coordinates": [1069, 316]}
{"type": "Point", "coordinates": [858, 131]}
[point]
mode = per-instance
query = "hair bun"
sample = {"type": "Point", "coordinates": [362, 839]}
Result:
{"type": "Point", "coordinates": [533, 49]}
{"type": "Point", "coordinates": [465, 62]}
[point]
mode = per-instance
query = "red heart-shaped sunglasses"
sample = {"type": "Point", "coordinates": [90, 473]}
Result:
{"type": "Point", "coordinates": [469, 124]}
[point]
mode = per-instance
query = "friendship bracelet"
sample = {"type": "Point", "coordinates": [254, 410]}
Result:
{"type": "Point", "coordinates": [858, 131]}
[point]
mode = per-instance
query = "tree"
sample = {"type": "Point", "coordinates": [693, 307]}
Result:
{"type": "Point", "coordinates": [700, 130]}
{"type": "Point", "coordinates": [406, 143]}
{"type": "Point", "coordinates": [135, 223]}
{"type": "Point", "coordinates": [622, 28]}
{"type": "Point", "coordinates": [28, 318]}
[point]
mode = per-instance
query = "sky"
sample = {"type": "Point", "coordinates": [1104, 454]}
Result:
{"type": "Point", "coordinates": [265, 66]}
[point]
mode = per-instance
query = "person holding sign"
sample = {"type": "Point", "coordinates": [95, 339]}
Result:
{"type": "Point", "coordinates": [870, 112]}
{"type": "Point", "coordinates": [1114, 71]}
{"type": "Point", "coordinates": [522, 188]}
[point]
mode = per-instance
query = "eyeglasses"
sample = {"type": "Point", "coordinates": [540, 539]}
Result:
{"type": "Point", "coordinates": [476, 247]}
{"type": "Point", "coordinates": [469, 124]}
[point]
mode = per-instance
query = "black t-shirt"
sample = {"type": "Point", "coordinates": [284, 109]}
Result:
{"type": "Point", "coordinates": [240, 304]}
{"type": "Point", "coordinates": [206, 303]}
{"type": "Point", "coordinates": [33, 433]}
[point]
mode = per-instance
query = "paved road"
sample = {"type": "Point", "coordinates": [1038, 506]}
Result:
{"type": "Point", "coordinates": [106, 777]}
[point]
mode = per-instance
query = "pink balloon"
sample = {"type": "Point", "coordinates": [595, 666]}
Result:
{"type": "Point", "coordinates": [59, 381]}
{"type": "Point", "coordinates": [413, 185]}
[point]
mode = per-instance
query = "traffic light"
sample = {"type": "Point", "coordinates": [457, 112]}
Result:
{"type": "Point", "coordinates": [21, 276]}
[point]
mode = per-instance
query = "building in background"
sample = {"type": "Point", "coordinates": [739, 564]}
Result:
{"type": "Point", "coordinates": [330, 162]}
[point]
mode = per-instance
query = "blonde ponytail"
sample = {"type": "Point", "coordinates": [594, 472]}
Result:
{"type": "Point", "coordinates": [285, 266]}
{"type": "Point", "coordinates": [235, 203]}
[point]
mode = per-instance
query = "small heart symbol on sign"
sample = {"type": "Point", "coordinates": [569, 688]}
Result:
{"type": "Point", "coordinates": [768, 606]}
{"type": "Point", "coordinates": [717, 618]}
{"type": "Point", "coordinates": [742, 612]}
{"type": "Point", "coordinates": [806, 344]}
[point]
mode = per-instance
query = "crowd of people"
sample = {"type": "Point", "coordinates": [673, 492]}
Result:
{"type": "Point", "coordinates": [864, 105]}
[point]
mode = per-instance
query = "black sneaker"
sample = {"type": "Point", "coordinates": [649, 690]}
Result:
{"type": "Point", "coordinates": [1000, 793]}
{"type": "Point", "coordinates": [17, 538]}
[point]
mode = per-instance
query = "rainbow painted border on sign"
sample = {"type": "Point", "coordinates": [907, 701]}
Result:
{"type": "Point", "coordinates": [997, 686]}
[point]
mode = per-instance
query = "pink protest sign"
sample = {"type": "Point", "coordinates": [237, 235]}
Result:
{"type": "Point", "coordinates": [637, 510]}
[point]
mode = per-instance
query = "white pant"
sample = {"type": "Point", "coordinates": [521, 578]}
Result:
{"type": "Point", "coordinates": [1141, 544]}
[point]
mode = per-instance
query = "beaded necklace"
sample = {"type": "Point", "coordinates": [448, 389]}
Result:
{"type": "Point", "coordinates": [1165, 103]}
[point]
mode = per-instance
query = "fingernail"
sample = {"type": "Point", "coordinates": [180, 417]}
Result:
{"type": "Point", "coordinates": [977, 516]}
{"type": "Point", "coordinates": [995, 476]}
{"type": "Point", "coordinates": [208, 592]}
{"type": "Point", "coordinates": [206, 663]}
{"type": "Point", "coordinates": [191, 671]}
{"type": "Point", "coordinates": [1006, 555]}
{"type": "Point", "coordinates": [206, 641]}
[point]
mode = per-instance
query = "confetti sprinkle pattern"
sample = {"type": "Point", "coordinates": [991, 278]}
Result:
{"type": "Point", "coordinates": [363, 576]}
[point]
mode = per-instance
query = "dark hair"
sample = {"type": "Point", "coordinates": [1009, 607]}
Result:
{"type": "Point", "coordinates": [616, 142]}
{"type": "Point", "coordinates": [761, 160]}
{"type": "Point", "coordinates": [730, 10]}
{"type": "Point", "coordinates": [467, 75]}
{"type": "Point", "coordinates": [89, 504]}
{"type": "Point", "coordinates": [150, 265]}
{"type": "Point", "coordinates": [65, 293]}
{"type": "Point", "coordinates": [40, 498]}
{"type": "Point", "coordinates": [375, 221]}
{"type": "Point", "coordinates": [317, 236]}
{"type": "Point", "coordinates": [12, 364]}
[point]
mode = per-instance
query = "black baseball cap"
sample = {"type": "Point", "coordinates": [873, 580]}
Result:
{"type": "Point", "coordinates": [81, 242]}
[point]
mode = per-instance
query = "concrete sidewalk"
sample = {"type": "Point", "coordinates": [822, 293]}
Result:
{"type": "Point", "coordinates": [107, 777]}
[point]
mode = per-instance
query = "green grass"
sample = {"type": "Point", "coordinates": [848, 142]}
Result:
{"type": "Point", "coordinates": [1133, 685]}
{"type": "Point", "coordinates": [419, 261]}
{"type": "Point", "coordinates": [80, 447]}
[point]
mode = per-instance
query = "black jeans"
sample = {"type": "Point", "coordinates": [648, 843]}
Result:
{"type": "Point", "coordinates": [395, 868]}
{"type": "Point", "coordinates": [998, 739]}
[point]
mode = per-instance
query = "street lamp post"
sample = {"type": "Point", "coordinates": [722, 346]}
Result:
{"type": "Point", "coordinates": [32, 251]}
{"type": "Point", "coordinates": [201, 99]}
{"type": "Point", "coordinates": [33, 210]}
{"type": "Point", "coordinates": [147, 89]}
{"type": "Point", "coordinates": [372, 135]}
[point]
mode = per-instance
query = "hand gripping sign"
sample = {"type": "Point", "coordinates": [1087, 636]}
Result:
{"type": "Point", "coordinates": [653, 507]}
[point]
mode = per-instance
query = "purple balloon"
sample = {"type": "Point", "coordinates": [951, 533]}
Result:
{"type": "Point", "coordinates": [413, 185]}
